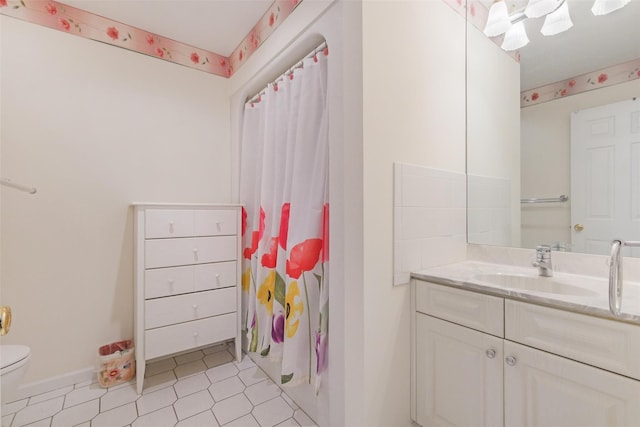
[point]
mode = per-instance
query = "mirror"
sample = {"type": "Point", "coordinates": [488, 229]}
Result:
{"type": "Point", "coordinates": [520, 109]}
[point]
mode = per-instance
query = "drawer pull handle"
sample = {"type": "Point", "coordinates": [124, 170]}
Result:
{"type": "Point", "coordinates": [170, 226]}
{"type": "Point", "coordinates": [195, 306]}
{"type": "Point", "coordinates": [195, 335]}
{"type": "Point", "coordinates": [491, 353]}
{"type": "Point", "coordinates": [217, 278]}
{"type": "Point", "coordinates": [195, 254]}
{"type": "Point", "coordinates": [218, 225]}
{"type": "Point", "coordinates": [511, 361]}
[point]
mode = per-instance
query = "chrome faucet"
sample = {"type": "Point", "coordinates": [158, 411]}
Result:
{"type": "Point", "coordinates": [543, 261]}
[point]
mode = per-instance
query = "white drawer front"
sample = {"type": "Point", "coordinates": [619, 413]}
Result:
{"type": "Point", "coordinates": [189, 250]}
{"type": "Point", "coordinates": [184, 336]}
{"type": "Point", "coordinates": [484, 313]}
{"type": "Point", "coordinates": [217, 275]}
{"type": "Point", "coordinates": [183, 308]}
{"type": "Point", "coordinates": [168, 281]}
{"type": "Point", "coordinates": [608, 344]}
{"type": "Point", "coordinates": [215, 222]}
{"type": "Point", "coordinates": [168, 223]}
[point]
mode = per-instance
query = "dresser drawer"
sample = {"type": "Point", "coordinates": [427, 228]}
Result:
{"type": "Point", "coordinates": [162, 282]}
{"type": "Point", "coordinates": [189, 250]}
{"type": "Point", "coordinates": [216, 275]}
{"type": "Point", "coordinates": [484, 313]}
{"type": "Point", "coordinates": [604, 343]}
{"type": "Point", "coordinates": [183, 308]}
{"type": "Point", "coordinates": [184, 336]}
{"type": "Point", "coordinates": [162, 223]}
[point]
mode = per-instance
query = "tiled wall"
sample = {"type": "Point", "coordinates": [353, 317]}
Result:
{"type": "Point", "coordinates": [429, 219]}
{"type": "Point", "coordinates": [490, 210]}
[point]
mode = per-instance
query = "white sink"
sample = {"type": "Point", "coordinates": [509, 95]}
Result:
{"type": "Point", "coordinates": [548, 285]}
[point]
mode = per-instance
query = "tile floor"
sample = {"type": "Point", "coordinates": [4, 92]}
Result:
{"type": "Point", "coordinates": [205, 388]}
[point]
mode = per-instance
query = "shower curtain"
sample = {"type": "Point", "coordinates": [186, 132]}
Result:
{"type": "Point", "coordinates": [284, 191]}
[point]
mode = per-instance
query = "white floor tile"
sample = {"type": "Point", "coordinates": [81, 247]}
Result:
{"type": "Point", "coordinates": [234, 407]}
{"type": "Point", "coordinates": [38, 412]}
{"type": "Point", "coordinates": [226, 388]}
{"type": "Point", "coordinates": [193, 404]}
{"type": "Point", "coordinates": [303, 419]}
{"type": "Point", "coordinates": [157, 382]}
{"type": "Point", "coordinates": [117, 417]}
{"type": "Point", "coordinates": [93, 379]}
{"type": "Point", "coordinates": [190, 368]}
{"type": "Point", "coordinates": [153, 401]}
{"type": "Point", "coordinates": [252, 376]}
{"type": "Point", "coordinates": [272, 412]}
{"type": "Point", "coordinates": [230, 394]}
{"type": "Point", "coordinates": [246, 421]}
{"type": "Point", "coordinates": [42, 423]}
{"type": "Point", "coordinates": [222, 372]}
{"type": "Point", "coordinates": [119, 397]}
{"type": "Point", "coordinates": [50, 395]}
{"type": "Point", "coordinates": [262, 391]}
{"type": "Point", "coordinates": [6, 420]}
{"type": "Point", "coordinates": [289, 401]}
{"type": "Point", "coordinates": [165, 417]}
{"type": "Point", "coordinates": [76, 414]}
{"type": "Point", "coordinates": [189, 357]}
{"type": "Point", "coordinates": [215, 348]}
{"type": "Point", "coordinates": [203, 419]}
{"type": "Point", "coordinates": [289, 423]}
{"type": "Point", "coordinates": [217, 359]}
{"type": "Point", "coordinates": [192, 384]}
{"type": "Point", "coordinates": [84, 394]}
{"type": "Point", "coordinates": [13, 407]}
{"type": "Point", "coordinates": [163, 365]}
{"type": "Point", "coordinates": [245, 363]}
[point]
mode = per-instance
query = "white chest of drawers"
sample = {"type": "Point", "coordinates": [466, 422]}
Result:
{"type": "Point", "coordinates": [186, 279]}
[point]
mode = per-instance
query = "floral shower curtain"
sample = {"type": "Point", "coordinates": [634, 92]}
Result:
{"type": "Point", "coordinates": [284, 190]}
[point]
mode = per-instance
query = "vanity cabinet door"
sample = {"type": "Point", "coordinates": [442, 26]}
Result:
{"type": "Point", "coordinates": [458, 375]}
{"type": "Point", "coordinates": [542, 389]}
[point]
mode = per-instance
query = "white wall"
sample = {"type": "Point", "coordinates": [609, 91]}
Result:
{"type": "Point", "coordinates": [94, 128]}
{"type": "Point", "coordinates": [413, 106]}
{"type": "Point", "coordinates": [493, 149]}
{"type": "Point", "coordinates": [546, 160]}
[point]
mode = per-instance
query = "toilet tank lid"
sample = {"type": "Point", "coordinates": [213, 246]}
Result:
{"type": "Point", "coordinates": [10, 354]}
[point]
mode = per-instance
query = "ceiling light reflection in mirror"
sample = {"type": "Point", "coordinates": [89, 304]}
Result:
{"type": "Point", "coordinates": [557, 19]}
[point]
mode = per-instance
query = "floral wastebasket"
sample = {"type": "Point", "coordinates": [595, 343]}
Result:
{"type": "Point", "coordinates": [117, 363]}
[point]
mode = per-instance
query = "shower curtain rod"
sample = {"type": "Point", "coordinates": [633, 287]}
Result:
{"type": "Point", "coordinates": [8, 183]}
{"type": "Point", "coordinates": [256, 98]}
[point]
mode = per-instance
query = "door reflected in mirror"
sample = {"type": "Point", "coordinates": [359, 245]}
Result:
{"type": "Point", "coordinates": [555, 117]}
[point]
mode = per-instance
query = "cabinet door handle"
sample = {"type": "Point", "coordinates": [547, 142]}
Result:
{"type": "Point", "coordinates": [491, 353]}
{"type": "Point", "coordinates": [511, 361]}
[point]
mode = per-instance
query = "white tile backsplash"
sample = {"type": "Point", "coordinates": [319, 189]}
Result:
{"type": "Point", "coordinates": [429, 218]}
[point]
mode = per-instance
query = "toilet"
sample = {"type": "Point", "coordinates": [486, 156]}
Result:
{"type": "Point", "coordinates": [14, 360]}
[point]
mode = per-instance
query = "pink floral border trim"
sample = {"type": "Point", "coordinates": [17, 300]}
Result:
{"type": "Point", "coordinates": [278, 12]}
{"type": "Point", "coordinates": [594, 80]}
{"type": "Point", "coordinates": [59, 16]}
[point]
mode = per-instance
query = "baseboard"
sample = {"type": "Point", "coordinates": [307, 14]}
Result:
{"type": "Point", "coordinates": [54, 383]}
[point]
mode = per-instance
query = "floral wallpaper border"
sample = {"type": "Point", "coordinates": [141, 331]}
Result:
{"type": "Point", "coordinates": [59, 16]}
{"type": "Point", "coordinates": [594, 80]}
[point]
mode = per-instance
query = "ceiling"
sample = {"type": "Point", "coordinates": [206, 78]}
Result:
{"type": "Point", "coordinates": [593, 43]}
{"type": "Point", "coordinates": [214, 25]}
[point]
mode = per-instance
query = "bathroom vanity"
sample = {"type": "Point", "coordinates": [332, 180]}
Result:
{"type": "Point", "coordinates": [187, 279]}
{"type": "Point", "coordinates": [494, 347]}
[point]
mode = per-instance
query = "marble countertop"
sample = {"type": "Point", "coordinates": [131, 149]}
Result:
{"type": "Point", "coordinates": [572, 292]}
